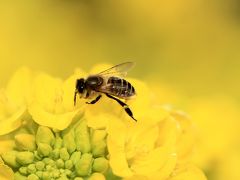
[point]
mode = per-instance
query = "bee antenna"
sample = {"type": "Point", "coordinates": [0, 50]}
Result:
{"type": "Point", "coordinates": [75, 95]}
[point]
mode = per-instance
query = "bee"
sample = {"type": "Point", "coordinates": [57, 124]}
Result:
{"type": "Point", "coordinates": [110, 82]}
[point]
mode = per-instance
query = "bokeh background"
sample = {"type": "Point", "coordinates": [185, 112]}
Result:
{"type": "Point", "coordinates": [188, 52]}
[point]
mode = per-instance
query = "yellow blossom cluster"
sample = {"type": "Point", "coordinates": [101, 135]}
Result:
{"type": "Point", "coordinates": [44, 136]}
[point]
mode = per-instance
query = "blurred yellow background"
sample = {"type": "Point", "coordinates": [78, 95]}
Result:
{"type": "Point", "coordinates": [188, 51]}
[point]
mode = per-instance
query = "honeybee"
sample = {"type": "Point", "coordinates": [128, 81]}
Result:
{"type": "Point", "coordinates": [109, 82]}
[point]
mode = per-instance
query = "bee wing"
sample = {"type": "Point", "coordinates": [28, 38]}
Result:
{"type": "Point", "coordinates": [118, 70]}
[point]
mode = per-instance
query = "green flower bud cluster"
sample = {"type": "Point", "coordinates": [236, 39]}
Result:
{"type": "Point", "coordinates": [75, 153]}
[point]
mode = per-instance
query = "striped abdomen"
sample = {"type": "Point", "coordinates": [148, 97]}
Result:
{"type": "Point", "coordinates": [120, 87]}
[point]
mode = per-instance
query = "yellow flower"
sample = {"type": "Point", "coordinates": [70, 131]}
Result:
{"type": "Point", "coordinates": [98, 141]}
{"type": "Point", "coordinates": [154, 148]}
{"type": "Point", "coordinates": [52, 101]}
{"type": "Point", "coordinates": [13, 101]}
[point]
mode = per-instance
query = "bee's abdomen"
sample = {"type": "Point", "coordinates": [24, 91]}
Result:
{"type": "Point", "coordinates": [120, 87]}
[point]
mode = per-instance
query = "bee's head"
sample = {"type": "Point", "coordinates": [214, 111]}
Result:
{"type": "Point", "coordinates": [80, 88]}
{"type": "Point", "coordinates": [80, 85]}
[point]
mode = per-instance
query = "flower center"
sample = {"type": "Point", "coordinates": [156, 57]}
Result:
{"type": "Point", "coordinates": [75, 153]}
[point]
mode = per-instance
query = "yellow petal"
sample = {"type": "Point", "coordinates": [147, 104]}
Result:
{"type": "Point", "coordinates": [13, 101]}
{"type": "Point", "coordinates": [166, 170]}
{"type": "Point", "coordinates": [168, 132]}
{"type": "Point", "coordinates": [53, 101]}
{"type": "Point", "coordinates": [13, 122]}
{"type": "Point", "coordinates": [97, 176]}
{"type": "Point", "coordinates": [99, 121]}
{"type": "Point", "coordinates": [118, 160]}
{"type": "Point", "coordinates": [116, 148]}
{"type": "Point", "coordinates": [189, 173]}
{"type": "Point", "coordinates": [6, 172]}
{"type": "Point", "coordinates": [152, 162]}
{"type": "Point", "coordinates": [138, 177]}
{"type": "Point", "coordinates": [154, 115]}
{"type": "Point", "coordinates": [59, 121]}
{"type": "Point", "coordinates": [187, 136]}
{"type": "Point", "coordinates": [141, 102]}
{"type": "Point", "coordinates": [117, 132]}
{"type": "Point", "coordinates": [19, 86]}
{"type": "Point", "coordinates": [47, 92]}
{"type": "Point", "coordinates": [6, 145]}
{"type": "Point", "coordinates": [141, 139]}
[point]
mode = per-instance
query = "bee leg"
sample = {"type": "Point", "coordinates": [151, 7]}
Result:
{"type": "Point", "coordinates": [95, 100]}
{"type": "Point", "coordinates": [124, 105]}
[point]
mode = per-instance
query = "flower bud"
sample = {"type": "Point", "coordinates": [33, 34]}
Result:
{"type": "Point", "coordinates": [39, 174]}
{"type": "Point", "coordinates": [55, 154]}
{"type": "Point", "coordinates": [68, 164]}
{"type": "Point", "coordinates": [84, 166]}
{"type": "Point", "coordinates": [48, 161]}
{"type": "Point", "coordinates": [68, 172]}
{"type": "Point", "coordinates": [31, 168]}
{"type": "Point", "coordinates": [73, 175]}
{"type": "Point", "coordinates": [58, 142]}
{"type": "Point", "coordinates": [68, 141]}
{"type": "Point", "coordinates": [44, 149]}
{"type": "Point", "coordinates": [45, 135]}
{"type": "Point", "coordinates": [55, 173]}
{"type": "Point", "coordinates": [45, 175]}
{"type": "Point", "coordinates": [100, 165]}
{"type": "Point", "coordinates": [75, 157]}
{"type": "Point", "coordinates": [60, 163]}
{"type": "Point", "coordinates": [64, 155]}
{"type": "Point", "coordinates": [96, 176]}
{"type": "Point", "coordinates": [63, 177]}
{"type": "Point", "coordinates": [23, 170]}
{"type": "Point", "coordinates": [25, 142]}
{"type": "Point", "coordinates": [78, 178]}
{"type": "Point", "coordinates": [32, 177]}
{"type": "Point", "coordinates": [25, 157]}
{"type": "Point", "coordinates": [99, 148]}
{"type": "Point", "coordinates": [18, 176]}
{"type": "Point", "coordinates": [40, 165]}
{"type": "Point", "coordinates": [10, 159]}
{"type": "Point", "coordinates": [98, 143]}
{"type": "Point", "coordinates": [37, 156]}
{"type": "Point", "coordinates": [82, 137]}
{"type": "Point", "coordinates": [49, 168]}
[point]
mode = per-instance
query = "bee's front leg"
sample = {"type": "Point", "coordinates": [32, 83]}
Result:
{"type": "Point", "coordinates": [95, 100]}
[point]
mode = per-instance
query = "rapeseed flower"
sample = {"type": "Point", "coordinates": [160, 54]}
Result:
{"type": "Point", "coordinates": [13, 101]}
{"type": "Point", "coordinates": [56, 140]}
{"type": "Point", "coordinates": [52, 100]}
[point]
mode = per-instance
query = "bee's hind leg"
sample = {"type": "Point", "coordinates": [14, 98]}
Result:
{"type": "Point", "coordinates": [95, 100]}
{"type": "Point", "coordinates": [124, 105]}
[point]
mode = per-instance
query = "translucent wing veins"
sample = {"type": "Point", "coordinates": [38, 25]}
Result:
{"type": "Point", "coordinates": [120, 69]}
